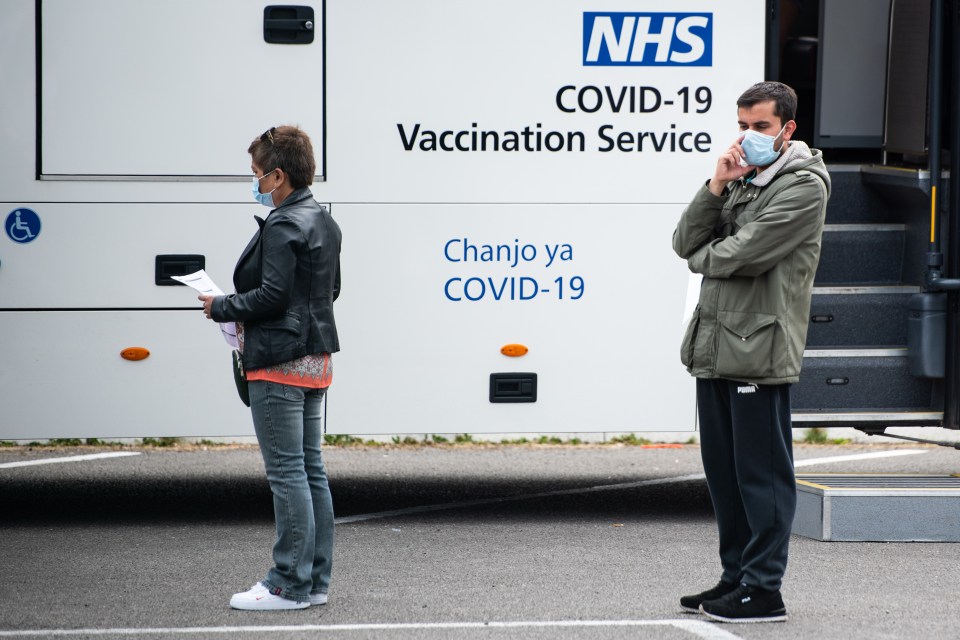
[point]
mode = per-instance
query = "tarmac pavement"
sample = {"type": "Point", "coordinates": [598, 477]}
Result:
{"type": "Point", "coordinates": [486, 542]}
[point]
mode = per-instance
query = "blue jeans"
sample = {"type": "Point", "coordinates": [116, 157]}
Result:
{"type": "Point", "coordinates": [288, 423]}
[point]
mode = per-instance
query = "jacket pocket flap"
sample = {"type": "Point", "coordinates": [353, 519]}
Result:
{"type": "Point", "coordinates": [743, 323]}
{"type": "Point", "coordinates": [289, 322]}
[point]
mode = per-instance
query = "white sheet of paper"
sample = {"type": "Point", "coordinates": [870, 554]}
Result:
{"type": "Point", "coordinates": [204, 284]}
{"type": "Point", "coordinates": [693, 297]}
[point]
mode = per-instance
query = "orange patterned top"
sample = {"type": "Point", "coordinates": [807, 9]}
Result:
{"type": "Point", "coordinates": [312, 371]}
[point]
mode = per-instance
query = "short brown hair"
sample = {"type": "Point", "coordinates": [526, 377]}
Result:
{"type": "Point", "coordinates": [287, 148]}
{"type": "Point", "coordinates": [784, 99]}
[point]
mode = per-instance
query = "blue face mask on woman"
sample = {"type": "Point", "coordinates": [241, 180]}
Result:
{"type": "Point", "coordinates": [758, 148]}
{"type": "Point", "coordinates": [266, 199]}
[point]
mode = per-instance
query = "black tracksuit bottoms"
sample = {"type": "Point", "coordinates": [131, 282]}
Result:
{"type": "Point", "coordinates": [746, 442]}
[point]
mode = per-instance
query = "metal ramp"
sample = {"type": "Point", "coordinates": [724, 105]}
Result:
{"type": "Point", "coordinates": [878, 507]}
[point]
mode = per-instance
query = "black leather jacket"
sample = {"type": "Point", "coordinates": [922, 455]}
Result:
{"type": "Point", "coordinates": [286, 281]}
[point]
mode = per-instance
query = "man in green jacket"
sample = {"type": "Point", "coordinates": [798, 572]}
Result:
{"type": "Point", "coordinates": [753, 232]}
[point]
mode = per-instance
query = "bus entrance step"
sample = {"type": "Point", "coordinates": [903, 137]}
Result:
{"type": "Point", "coordinates": [878, 508]}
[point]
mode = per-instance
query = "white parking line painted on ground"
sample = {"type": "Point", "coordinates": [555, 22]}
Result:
{"type": "Point", "coordinates": [91, 456]}
{"type": "Point", "coordinates": [698, 628]}
{"type": "Point", "coordinates": [604, 487]}
{"type": "Point", "coordinates": [860, 456]}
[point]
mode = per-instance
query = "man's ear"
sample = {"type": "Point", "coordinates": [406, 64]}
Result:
{"type": "Point", "coordinates": [788, 130]}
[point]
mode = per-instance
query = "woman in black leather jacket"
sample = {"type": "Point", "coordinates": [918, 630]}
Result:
{"type": "Point", "coordinates": [286, 281]}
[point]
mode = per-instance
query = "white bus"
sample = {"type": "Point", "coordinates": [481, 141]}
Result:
{"type": "Point", "coordinates": [507, 176]}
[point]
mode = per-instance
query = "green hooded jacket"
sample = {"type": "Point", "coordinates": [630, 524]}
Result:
{"type": "Point", "coordinates": [757, 247]}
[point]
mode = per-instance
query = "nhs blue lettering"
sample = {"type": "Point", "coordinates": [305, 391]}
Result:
{"type": "Point", "coordinates": [648, 39]}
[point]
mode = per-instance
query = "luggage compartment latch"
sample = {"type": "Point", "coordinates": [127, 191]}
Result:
{"type": "Point", "coordinates": [513, 387]}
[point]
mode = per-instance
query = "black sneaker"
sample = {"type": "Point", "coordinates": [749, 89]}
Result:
{"type": "Point", "coordinates": [692, 603]}
{"type": "Point", "coordinates": [746, 604]}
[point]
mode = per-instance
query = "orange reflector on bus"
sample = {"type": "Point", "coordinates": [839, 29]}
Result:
{"type": "Point", "coordinates": [514, 350]}
{"type": "Point", "coordinates": [134, 353]}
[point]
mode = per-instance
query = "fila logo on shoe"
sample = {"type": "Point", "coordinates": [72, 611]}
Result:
{"type": "Point", "coordinates": [751, 388]}
{"type": "Point", "coordinates": [745, 600]}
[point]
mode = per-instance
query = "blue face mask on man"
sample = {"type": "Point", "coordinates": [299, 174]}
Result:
{"type": "Point", "coordinates": [758, 148]}
{"type": "Point", "coordinates": [266, 199]}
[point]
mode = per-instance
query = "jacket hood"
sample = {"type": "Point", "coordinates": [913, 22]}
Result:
{"type": "Point", "coordinates": [798, 157]}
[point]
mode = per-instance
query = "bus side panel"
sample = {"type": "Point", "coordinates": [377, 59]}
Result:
{"type": "Point", "coordinates": [432, 101]}
{"type": "Point", "coordinates": [586, 279]}
{"type": "Point", "coordinates": [431, 293]}
{"type": "Point", "coordinates": [104, 255]}
{"type": "Point", "coordinates": [62, 376]}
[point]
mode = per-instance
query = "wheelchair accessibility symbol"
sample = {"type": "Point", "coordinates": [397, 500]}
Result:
{"type": "Point", "coordinates": [22, 225]}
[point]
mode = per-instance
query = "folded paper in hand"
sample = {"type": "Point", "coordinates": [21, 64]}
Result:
{"type": "Point", "coordinates": [203, 284]}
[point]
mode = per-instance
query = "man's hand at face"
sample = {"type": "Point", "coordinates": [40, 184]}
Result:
{"type": "Point", "coordinates": [728, 168]}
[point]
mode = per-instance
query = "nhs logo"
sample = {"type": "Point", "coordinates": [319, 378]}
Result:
{"type": "Point", "coordinates": [647, 39]}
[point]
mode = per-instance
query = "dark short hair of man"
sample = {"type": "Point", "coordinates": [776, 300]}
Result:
{"type": "Point", "coordinates": [784, 99]}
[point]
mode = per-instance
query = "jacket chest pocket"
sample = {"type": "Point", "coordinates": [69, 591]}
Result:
{"type": "Point", "coordinates": [737, 212]}
{"type": "Point", "coordinates": [745, 344]}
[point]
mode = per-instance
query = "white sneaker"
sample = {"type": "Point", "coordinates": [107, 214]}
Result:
{"type": "Point", "coordinates": [259, 598]}
{"type": "Point", "coordinates": [318, 598]}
